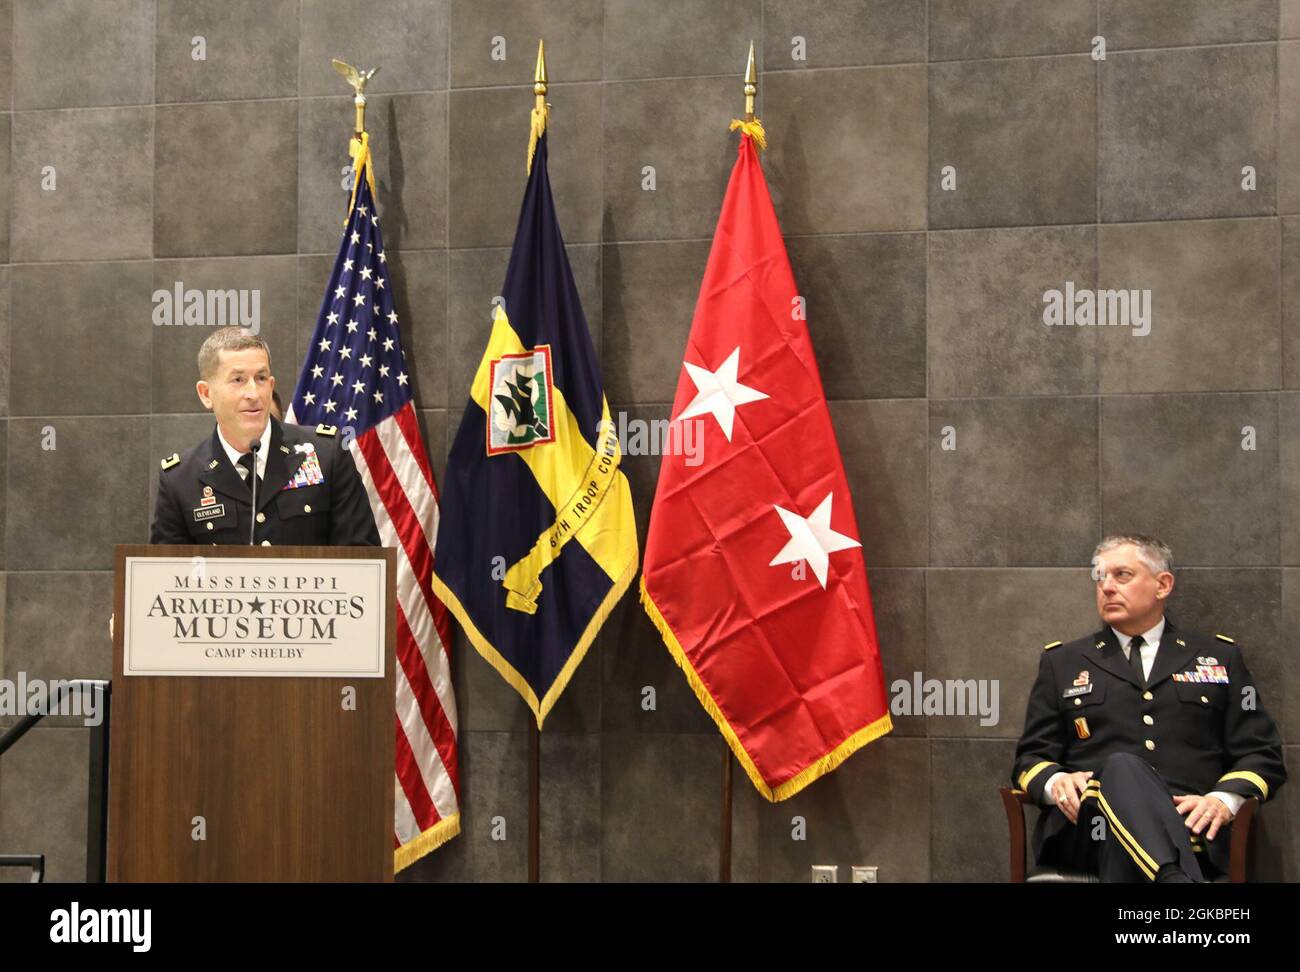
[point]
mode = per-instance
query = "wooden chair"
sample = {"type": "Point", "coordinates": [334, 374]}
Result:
{"type": "Point", "coordinates": [1015, 801]}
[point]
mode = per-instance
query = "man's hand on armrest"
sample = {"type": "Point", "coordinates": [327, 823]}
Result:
{"type": "Point", "coordinates": [1065, 789]}
{"type": "Point", "coordinates": [1211, 809]}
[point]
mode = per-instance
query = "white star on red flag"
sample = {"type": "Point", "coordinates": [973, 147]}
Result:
{"type": "Point", "coordinates": [812, 539]}
{"type": "Point", "coordinates": [719, 392]}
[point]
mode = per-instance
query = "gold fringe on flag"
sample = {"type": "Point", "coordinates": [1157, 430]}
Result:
{"type": "Point", "coordinates": [790, 787]}
{"type": "Point", "coordinates": [433, 838]}
{"type": "Point", "coordinates": [754, 129]}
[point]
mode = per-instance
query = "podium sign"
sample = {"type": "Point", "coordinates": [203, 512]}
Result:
{"type": "Point", "coordinates": [253, 708]}
{"type": "Point", "coordinates": [320, 617]}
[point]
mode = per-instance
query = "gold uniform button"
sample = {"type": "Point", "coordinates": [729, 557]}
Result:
{"type": "Point", "coordinates": [210, 525]}
{"type": "Point", "coordinates": [266, 543]}
{"type": "Point", "coordinates": [261, 518]}
{"type": "Point", "coordinates": [1148, 696]}
{"type": "Point", "coordinates": [1078, 701]}
{"type": "Point", "coordinates": [306, 508]}
{"type": "Point", "coordinates": [1148, 720]}
{"type": "Point", "coordinates": [1204, 700]}
{"type": "Point", "coordinates": [1150, 744]}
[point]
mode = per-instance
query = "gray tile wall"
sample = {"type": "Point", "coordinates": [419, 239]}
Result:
{"type": "Point", "coordinates": [924, 305]}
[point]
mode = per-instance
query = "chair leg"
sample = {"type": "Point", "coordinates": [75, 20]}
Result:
{"type": "Point", "coordinates": [1240, 845]}
{"type": "Point", "coordinates": [1015, 832]}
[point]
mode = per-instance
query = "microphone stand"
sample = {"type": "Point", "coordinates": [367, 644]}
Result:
{"type": "Point", "coordinates": [253, 447]}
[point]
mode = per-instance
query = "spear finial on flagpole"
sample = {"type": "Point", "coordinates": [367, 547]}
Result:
{"type": "Point", "coordinates": [750, 125]}
{"type": "Point", "coordinates": [541, 110]}
{"type": "Point", "coordinates": [751, 85]}
{"type": "Point", "coordinates": [539, 76]}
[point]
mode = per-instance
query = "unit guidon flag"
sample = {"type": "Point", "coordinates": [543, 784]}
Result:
{"type": "Point", "coordinates": [753, 570]}
{"type": "Point", "coordinates": [537, 540]}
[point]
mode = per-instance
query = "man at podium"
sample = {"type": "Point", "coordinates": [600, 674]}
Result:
{"type": "Point", "coordinates": [306, 489]}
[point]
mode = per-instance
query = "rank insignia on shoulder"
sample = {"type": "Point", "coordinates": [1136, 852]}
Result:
{"type": "Point", "coordinates": [327, 430]}
{"type": "Point", "coordinates": [1051, 645]}
{"type": "Point", "coordinates": [1223, 637]}
{"type": "Point", "coordinates": [172, 460]}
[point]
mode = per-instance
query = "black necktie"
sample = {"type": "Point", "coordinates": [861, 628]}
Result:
{"type": "Point", "coordinates": [1135, 658]}
{"type": "Point", "coordinates": [247, 461]}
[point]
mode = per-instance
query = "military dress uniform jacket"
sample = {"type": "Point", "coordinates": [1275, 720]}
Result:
{"type": "Point", "coordinates": [310, 494]}
{"type": "Point", "coordinates": [1198, 722]}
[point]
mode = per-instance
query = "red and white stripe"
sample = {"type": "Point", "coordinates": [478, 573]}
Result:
{"type": "Point", "coordinates": [404, 498]}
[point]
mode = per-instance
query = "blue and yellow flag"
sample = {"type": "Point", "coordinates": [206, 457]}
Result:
{"type": "Point", "coordinates": [536, 541]}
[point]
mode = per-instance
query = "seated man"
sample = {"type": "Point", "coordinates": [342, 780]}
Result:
{"type": "Point", "coordinates": [1143, 739]}
{"type": "Point", "coordinates": [308, 488]}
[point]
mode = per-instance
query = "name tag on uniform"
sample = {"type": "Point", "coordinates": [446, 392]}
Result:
{"type": "Point", "coordinates": [1077, 690]}
{"type": "Point", "coordinates": [209, 512]}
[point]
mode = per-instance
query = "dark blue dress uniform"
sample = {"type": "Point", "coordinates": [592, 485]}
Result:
{"type": "Point", "coordinates": [1196, 726]}
{"type": "Point", "coordinates": [310, 494]}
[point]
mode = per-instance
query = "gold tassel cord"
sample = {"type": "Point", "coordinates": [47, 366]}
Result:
{"type": "Point", "coordinates": [754, 129]}
{"type": "Point", "coordinates": [359, 151]}
{"type": "Point", "coordinates": [537, 129]}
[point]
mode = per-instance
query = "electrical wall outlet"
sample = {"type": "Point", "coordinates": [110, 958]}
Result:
{"type": "Point", "coordinates": [825, 874]}
{"type": "Point", "coordinates": [863, 874]}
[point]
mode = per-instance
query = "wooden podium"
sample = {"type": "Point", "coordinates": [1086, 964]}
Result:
{"type": "Point", "coordinates": [249, 776]}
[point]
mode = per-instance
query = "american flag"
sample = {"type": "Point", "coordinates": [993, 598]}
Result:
{"type": "Point", "coordinates": [357, 378]}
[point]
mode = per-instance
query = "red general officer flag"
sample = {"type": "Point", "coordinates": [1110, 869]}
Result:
{"type": "Point", "coordinates": [753, 569]}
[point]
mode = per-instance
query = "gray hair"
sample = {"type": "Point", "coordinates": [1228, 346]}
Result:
{"type": "Point", "coordinates": [1152, 551]}
{"type": "Point", "coordinates": [227, 339]}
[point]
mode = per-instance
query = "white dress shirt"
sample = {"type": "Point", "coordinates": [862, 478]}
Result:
{"type": "Point", "coordinates": [234, 453]}
{"type": "Point", "coordinates": [1150, 645]}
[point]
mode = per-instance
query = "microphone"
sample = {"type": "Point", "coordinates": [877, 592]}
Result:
{"type": "Point", "coordinates": [253, 447]}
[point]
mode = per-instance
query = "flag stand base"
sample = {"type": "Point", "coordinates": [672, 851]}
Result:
{"type": "Point", "coordinates": [724, 836]}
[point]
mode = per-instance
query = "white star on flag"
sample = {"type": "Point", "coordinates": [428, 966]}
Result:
{"type": "Point", "coordinates": [812, 539]}
{"type": "Point", "coordinates": [719, 392]}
